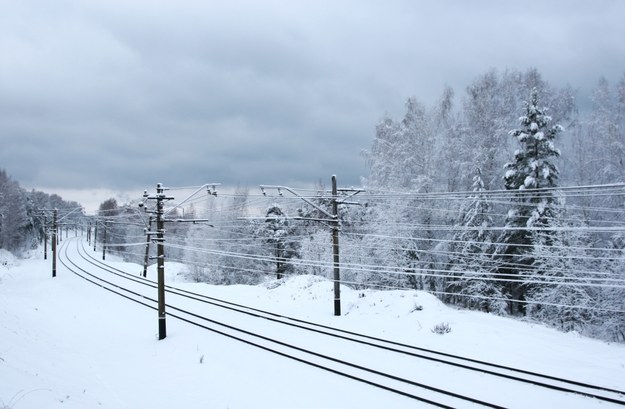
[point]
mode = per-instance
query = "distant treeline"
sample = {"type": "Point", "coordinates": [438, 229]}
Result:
{"type": "Point", "coordinates": [22, 214]}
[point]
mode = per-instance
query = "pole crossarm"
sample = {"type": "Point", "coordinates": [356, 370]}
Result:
{"type": "Point", "coordinates": [72, 211]}
{"type": "Point", "coordinates": [194, 221]}
{"type": "Point", "coordinates": [294, 193]}
{"type": "Point", "coordinates": [353, 192]}
{"type": "Point", "coordinates": [206, 186]}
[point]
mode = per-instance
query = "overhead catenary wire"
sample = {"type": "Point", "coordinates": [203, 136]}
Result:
{"type": "Point", "coordinates": [429, 272]}
{"type": "Point", "coordinates": [243, 255]}
{"type": "Point", "coordinates": [436, 292]}
{"type": "Point", "coordinates": [434, 242]}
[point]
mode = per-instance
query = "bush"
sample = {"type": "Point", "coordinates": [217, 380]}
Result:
{"type": "Point", "coordinates": [442, 328]}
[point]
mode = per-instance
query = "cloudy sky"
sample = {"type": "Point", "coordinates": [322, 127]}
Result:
{"type": "Point", "coordinates": [102, 96]}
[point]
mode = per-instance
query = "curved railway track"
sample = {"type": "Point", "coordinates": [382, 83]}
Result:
{"type": "Point", "coordinates": [134, 288]}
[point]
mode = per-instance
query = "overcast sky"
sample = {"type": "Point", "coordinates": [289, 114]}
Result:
{"type": "Point", "coordinates": [101, 96]}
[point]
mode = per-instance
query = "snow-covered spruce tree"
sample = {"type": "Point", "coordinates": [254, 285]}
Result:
{"type": "Point", "coordinates": [490, 109]}
{"type": "Point", "coordinates": [532, 207]}
{"type": "Point", "coordinates": [472, 263]}
{"type": "Point", "coordinates": [277, 232]}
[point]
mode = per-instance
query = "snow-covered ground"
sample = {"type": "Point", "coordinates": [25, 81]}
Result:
{"type": "Point", "coordinates": [65, 343]}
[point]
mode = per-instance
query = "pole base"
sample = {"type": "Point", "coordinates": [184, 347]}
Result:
{"type": "Point", "coordinates": [162, 332]}
{"type": "Point", "coordinates": [337, 307]}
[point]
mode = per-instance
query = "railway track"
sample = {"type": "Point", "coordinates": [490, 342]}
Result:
{"type": "Point", "coordinates": [307, 342]}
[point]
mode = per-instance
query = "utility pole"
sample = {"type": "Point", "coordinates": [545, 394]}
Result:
{"type": "Point", "coordinates": [160, 254]}
{"type": "Point", "coordinates": [160, 260]}
{"type": "Point", "coordinates": [95, 233]}
{"type": "Point", "coordinates": [160, 198]}
{"type": "Point", "coordinates": [45, 237]}
{"type": "Point", "coordinates": [147, 247]}
{"type": "Point", "coordinates": [104, 241]}
{"type": "Point", "coordinates": [335, 249]}
{"type": "Point", "coordinates": [54, 234]}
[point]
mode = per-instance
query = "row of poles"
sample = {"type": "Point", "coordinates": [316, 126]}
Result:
{"type": "Point", "coordinates": [158, 237]}
{"type": "Point", "coordinates": [160, 198]}
{"type": "Point", "coordinates": [56, 234]}
{"type": "Point", "coordinates": [54, 239]}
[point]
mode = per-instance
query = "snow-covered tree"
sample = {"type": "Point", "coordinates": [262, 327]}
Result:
{"type": "Point", "coordinates": [196, 261]}
{"type": "Point", "coordinates": [488, 106]}
{"type": "Point", "coordinates": [239, 262]}
{"type": "Point", "coordinates": [533, 166]}
{"type": "Point", "coordinates": [111, 230]}
{"type": "Point", "coordinates": [16, 227]}
{"type": "Point", "coordinates": [607, 130]}
{"type": "Point", "coordinates": [532, 170]}
{"type": "Point", "coordinates": [472, 256]}
{"type": "Point", "coordinates": [225, 249]}
{"type": "Point", "coordinates": [276, 232]}
{"type": "Point", "coordinates": [491, 108]}
{"type": "Point", "coordinates": [562, 297]}
{"type": "Point", "coordinates": [21, 215]}
{"type": "Point", "coordinates": [316, 253]}
{"type": "Point", "coordinates": [401, 154]}
{"type": "Point", "coordinates": [609, 263]}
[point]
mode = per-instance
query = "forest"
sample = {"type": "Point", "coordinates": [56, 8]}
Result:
{"type": "Point", "coordinates": [25, 214]}
{"type": "Point", "coordinates": [507, 198]}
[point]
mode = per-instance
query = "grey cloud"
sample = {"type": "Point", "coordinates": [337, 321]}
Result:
{"type": "Point", "coordinates": [119, 95]}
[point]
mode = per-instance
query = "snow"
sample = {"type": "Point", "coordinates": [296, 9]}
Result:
{"type": "Point", "coordinates": [7, 259]}
{"type": "Point", "coordinates": [65, 343]}
{"type": "Point", "coordinates": [529, 182]}
{"type": "Point", "coordinates": [534, 164]}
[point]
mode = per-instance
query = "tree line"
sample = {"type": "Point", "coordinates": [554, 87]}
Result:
{"type": "Point", "coordinates": [23, 214]}
{"type": "Point", "coordinates": [520, 243]}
